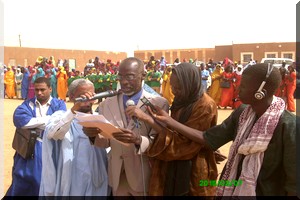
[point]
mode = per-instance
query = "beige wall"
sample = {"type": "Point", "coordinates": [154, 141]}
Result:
{"type": "Point", "coordinates": [27, 56]}
{"type": "Point", "coordinates": [233, 52]}
{"type": "Point", "coordinates": [203, 54]}
{"type": "Point", "coordinates": [259, 49]}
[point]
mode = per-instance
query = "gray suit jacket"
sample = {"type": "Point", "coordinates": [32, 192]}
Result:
{"type": "Point", "coordinates": [127, 157]}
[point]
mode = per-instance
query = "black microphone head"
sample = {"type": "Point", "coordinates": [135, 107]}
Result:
{"type": "Point", "coordinates": [130, 102]}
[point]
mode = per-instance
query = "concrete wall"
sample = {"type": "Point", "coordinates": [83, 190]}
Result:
{"type": "Point", "coordinates": [25, 56]}
{"type": "Point", "coordinates": [202, 54]}
{"type": "Point", "coordinates": [260, 50]}
{"type": "Point", "coordinates": [233, 52]}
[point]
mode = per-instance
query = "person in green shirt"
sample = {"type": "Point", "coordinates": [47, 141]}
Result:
{"type": "Point", "coordinates": [106, 80]}
{"type": "Point", "coordinates": [72, 78]}
{"type": "Point", "coordinates": [262, 157]}
{"type": "Point", "coordinates": [154, 78]}
{"type": "Point", "coordinates": [113, 80]}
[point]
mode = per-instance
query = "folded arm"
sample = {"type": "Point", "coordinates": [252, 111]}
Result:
{"type": "Point", "coordinates": [59, 124]}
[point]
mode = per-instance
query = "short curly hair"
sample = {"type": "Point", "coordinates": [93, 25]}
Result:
{"type": "Point", "coordinates": [258, 74]}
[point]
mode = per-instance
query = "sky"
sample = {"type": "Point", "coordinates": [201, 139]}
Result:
{"type": "Point", "coordinates": [128, 25]}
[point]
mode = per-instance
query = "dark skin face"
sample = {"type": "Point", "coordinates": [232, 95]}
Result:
{"type": "Point", "coordinates": [247, 89]}
{"type": "Point", "coordinates": [130, 77]}
{"type": "Point", "coordinates": [42, 92]}
{"type": "Point", "coordinates": [176, 87]}
{"type": "Point", "coordinates": [85, 107]}
{"type": "Point", "coordinates": [129, 87]}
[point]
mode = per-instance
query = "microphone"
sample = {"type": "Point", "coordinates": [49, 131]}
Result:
{"type": "Point", "coordinates": [131, 103]}
{"type": "Point", "coordinates": [108, 93]}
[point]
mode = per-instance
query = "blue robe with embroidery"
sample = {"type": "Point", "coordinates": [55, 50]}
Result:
{"type": "Point", "coordinates": [26, 173]}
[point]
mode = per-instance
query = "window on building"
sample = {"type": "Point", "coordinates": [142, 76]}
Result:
{"type": "Point", "coordinates": [12, 62]}
{"type": "Point", "coordinates": [72, 64]}
{"type": "Point", "coordinates": [271, 55]}
{"type": "Point", "coordinates": [246, 57]}
{"type": "Point", "coordinates": [288, 55]}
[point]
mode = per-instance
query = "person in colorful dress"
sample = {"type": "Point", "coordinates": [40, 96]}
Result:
{"type": "Point", "coordinates": [18, 81]}
{"type": "Point", "coordinates": [166, 87]}
{"type": "Point", "coordinates": [62, 87]}
{"type": "Point", "coordinates": [227, 93]}
{"type": "Point", "coordinates": [154, 77]}
{"type": "Point", "coordinates": [25, 82]}
{"type": "Point", "coordinates": [53, 82]}
{"type": "Point", "coordinates": [215, 91]}
{"type": "Point", "coordinates": [290, 88]}
{"type": "Point", "coordinates": [9, 81]}
{"type": "Point", "coordinates": [236, 84]}
{"type": "Point", "coordinates": [32, 71]}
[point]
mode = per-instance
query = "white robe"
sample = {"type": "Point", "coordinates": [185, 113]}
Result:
{"type": "Point", "coordinates": [71, 165]}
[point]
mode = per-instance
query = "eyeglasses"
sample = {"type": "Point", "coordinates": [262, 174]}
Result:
{"type": "Point", "coordinates": [128, 77]}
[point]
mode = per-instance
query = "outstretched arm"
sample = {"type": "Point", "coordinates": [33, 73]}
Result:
{"type": "Point", "coordinates": [191, 133]}
{"type": "Point", "coordinates": [160, 119]}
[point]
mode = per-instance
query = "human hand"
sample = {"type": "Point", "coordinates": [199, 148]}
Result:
{"type": "Point", "coordinates": [134, 111]}
{"type": "Point", "coordinates": [78, 105]}
{"type": "Point", "coordinates": [127, 136]}
{"type": "Point", "coordinates": [91, 131]}
{"type": "Point", "coordinates": [160, 115]}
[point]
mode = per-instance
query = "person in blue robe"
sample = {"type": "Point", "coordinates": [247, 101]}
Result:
{"type": "Point", "coordinates": [53, 81]}
{"type": "Point", "coordinates": [32, 113]}
{"type": "Point", "coordinates": [72, 166]}
{"type": "Point", "coordinates": [25, 83]}
{"type": "Point", "coordinates": [39, 73]}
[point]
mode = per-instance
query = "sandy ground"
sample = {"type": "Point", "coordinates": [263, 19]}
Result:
{"type": "Point", "coordinates": [8, 133]}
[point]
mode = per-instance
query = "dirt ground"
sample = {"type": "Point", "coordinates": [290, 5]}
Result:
{"type": "Point", "coordinates": [9, 107]}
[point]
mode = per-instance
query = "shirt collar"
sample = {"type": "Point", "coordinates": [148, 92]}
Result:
{"type": "Point", "coordinates": [136, 97]}
{"type": "Point", "coordinates": [48, 102]}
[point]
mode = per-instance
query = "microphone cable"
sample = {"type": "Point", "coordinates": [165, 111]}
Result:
{"type": "Point", "coordinates": [142, 165]}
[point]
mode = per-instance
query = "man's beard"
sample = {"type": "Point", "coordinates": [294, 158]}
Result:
{"type": "Point", "coordinates": [86, 109]}
{"type": "Point", "coordinates": [129, 93]}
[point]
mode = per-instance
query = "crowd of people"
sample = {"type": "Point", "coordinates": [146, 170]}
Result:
{"type": "Point", "coordinates": [220, 80]}
{"type": "Point", "coordinates": [19, 80]}
{"type": "Point", "coordinates": [168, 138]}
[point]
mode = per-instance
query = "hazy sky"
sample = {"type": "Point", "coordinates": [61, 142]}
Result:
{"type": "Point", "coordinates": [127, 25]}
